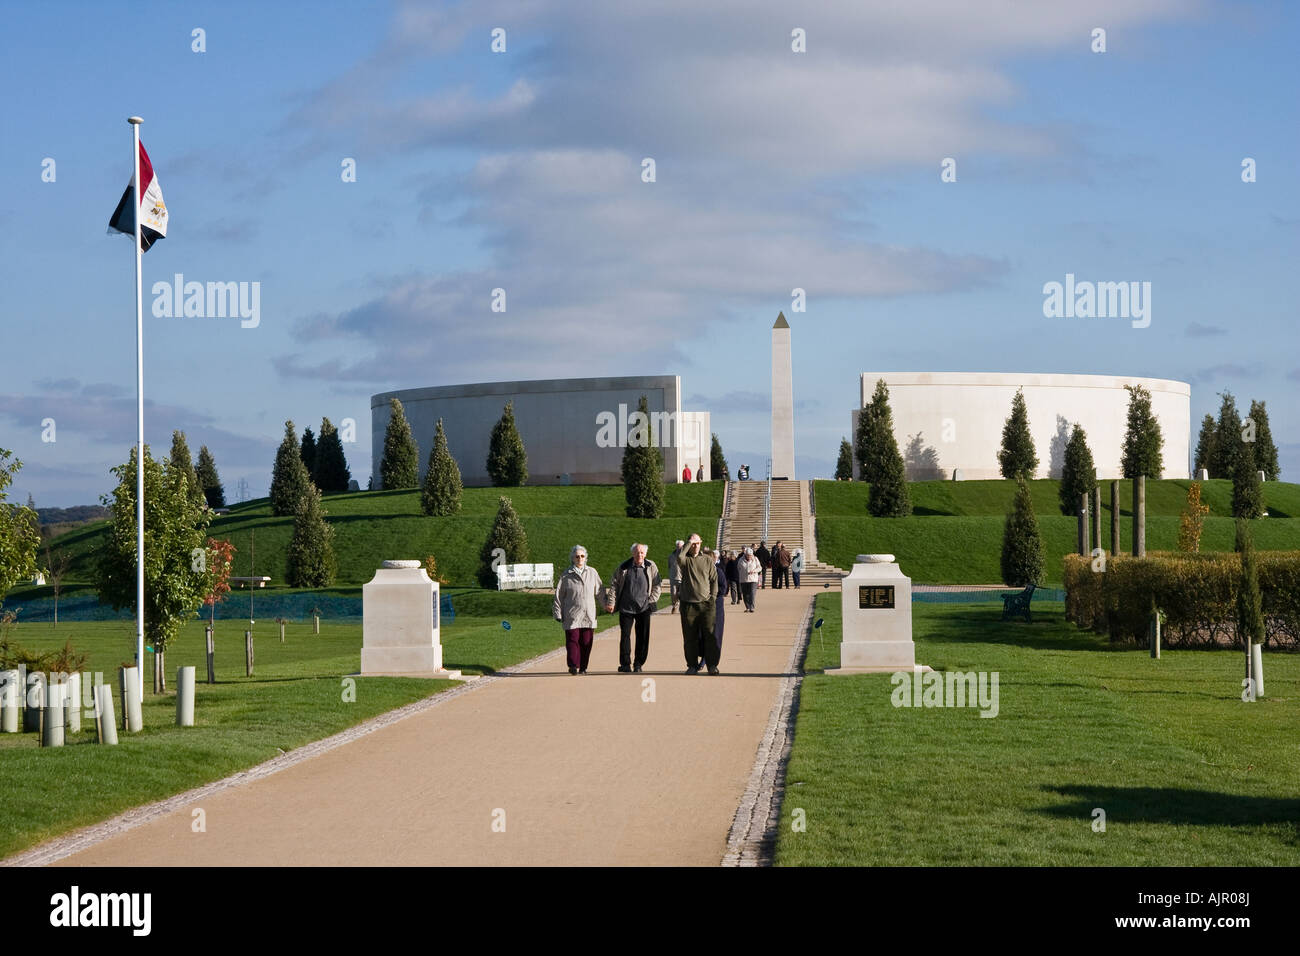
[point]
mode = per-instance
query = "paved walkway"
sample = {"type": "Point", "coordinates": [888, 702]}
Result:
{"type": "Point", "coordinates": [585, 770]}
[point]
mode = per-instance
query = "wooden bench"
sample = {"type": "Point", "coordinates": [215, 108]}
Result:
{"type": "Point", "coordinates": [1017, 603]}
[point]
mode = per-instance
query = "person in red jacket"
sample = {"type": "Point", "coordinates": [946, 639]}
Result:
{"type": "Point", "coordinates": [686, 474]}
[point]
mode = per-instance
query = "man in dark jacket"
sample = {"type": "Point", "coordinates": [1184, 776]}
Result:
{"type": "Point", "coordinates": [765, 559]}
{"type": "Point", "coordinates": [698, 592]}
{"type": "Point", "coordinates": [634, 593]}
{"type": "Point", "coordinates": [781, 566]}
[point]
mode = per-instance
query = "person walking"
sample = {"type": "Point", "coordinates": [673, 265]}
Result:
{"type": "Point", "coordinates": [749, 570]}
{"type": "Point", "coordinates": [698, 592]}
{"type": "Point", "coordinates": [765, 559]}
{"type": "Point", "coordinates": [699, 472]}
{"type": "Point", "coordinates": [686, 474]}
{"type": "Point", "coordinates": [731, 572]}
{"type": "Point", "coordinates": [720, 615]}
{"type": "Point", "coordinates": [781, 562]}
{"type": "Point", "coordinates": [575, 608]}
{"type": "Point", "coordinates": [796, 565]}
{"type": "Point", "coordinates": [634, 593]}
{"type": "Point", "coordinates": [674, 574]}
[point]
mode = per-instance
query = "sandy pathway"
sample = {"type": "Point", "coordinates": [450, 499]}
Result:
{"type": "Point", "coordinates": [585, 770]}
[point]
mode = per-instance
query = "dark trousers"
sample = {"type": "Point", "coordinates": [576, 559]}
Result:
{"type": "Point", "coordinates": [577, 641]}
{"type": "Point", "coordinates": [782, 577]}
{"type": "Point", "coordinates": [733, 588]}
{"type": "Point", "coordinates": [625, 622]}
{"type": "Point", "coordinates": [697, 633]}
{"type": "Point", "coordinates": [747, 589]}
{"type": "Point", "coordinates": [762, 578]}
{"type": "Point", "coordinates": [796, 577]}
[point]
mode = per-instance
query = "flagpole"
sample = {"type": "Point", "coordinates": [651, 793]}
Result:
{"type": "Point", "coordinates": [135, 122]}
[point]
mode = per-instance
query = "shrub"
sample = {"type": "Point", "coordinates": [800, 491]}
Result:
{"type": "Point", "coordinates": [1192, 520]}
{"type": "Point", "coordinates": [506, 540]}
{"type": "Point", "coordinates": [311, 551]}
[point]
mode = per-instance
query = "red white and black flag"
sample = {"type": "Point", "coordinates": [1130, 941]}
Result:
{"type": "Point", "coordinates": [153, 220]}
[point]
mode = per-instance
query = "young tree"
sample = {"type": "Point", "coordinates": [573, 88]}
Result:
{"type": "Point", "coordinates": [209, 481]}
{"type": "Point", "coordinates": [442, 484]}
{"type": "Point", "coordinates": [289, 479]}
{"type": "Point", "coordinates": [643, 468]}
{"type": "Point", "coordinates": [1205, 448]}
{"type": "Point", "coordinates": [1227, 438]}
{"type": "Point", "coordinates": [717, 462]}
{"type": "Point", "coordinates": [181, 460]}
{"type": "Point", "coordinates": [1018, 457]}
{"type": "Point", "coordinates": [505, 544]}
{"type": "Point", "coordinates": [176, 572]}
{"type": "Point", "coordinates": [1265, 449]}
{"type": "Point", "coordinates": [1192, 521]}
{"type": "Point", "coordinates": [507, 462]}
{"type": "Point", "coordinates": [1143, 441]}
{"type": "Point", "coordinates": [19, 537]}
{"type": "Point", "coordinates": [876, 444]}
{"type": "Point", "coordinates": [56, 568]}
{"type": "Point", "coordinates": [1022, 546]}
{"type": "Point", "coordinates": [1250, 610]}
{"type": "Point", "coordinates": [311, 550]}
{"type": "Point", "coordinates": [400, 465]}
{"type": "Point", "coordinates": [844, 466]}
{"type": "Point", "coordinates": [331, 472]}
{"type": "Point", "coordinates": [1247, 492]}
{"type": "Point", "coordinates": [308, 451]}
{"type": "Point", "coordinates": [1078, 474]}
{"type": "Point", "coordinates": [221, 558]}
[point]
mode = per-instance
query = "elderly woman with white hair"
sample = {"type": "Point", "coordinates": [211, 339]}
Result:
{"type": "Point", "coordinates": [750, 570]}
{"type": "Point", "coordinates": [575, 608]}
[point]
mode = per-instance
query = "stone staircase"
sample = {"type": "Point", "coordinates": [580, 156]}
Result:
{"type": "Point", "coordinates": [790, 521]}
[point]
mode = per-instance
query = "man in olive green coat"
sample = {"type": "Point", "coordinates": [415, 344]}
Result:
{"type": "Point", "coordinates": [698, 591]}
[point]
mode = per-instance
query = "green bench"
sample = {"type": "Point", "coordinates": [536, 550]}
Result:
{"type": "Point", "coordinates": [1017, 603]}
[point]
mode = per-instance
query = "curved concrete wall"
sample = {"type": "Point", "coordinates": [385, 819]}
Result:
{"type": "Point", "coordinates": [559, 421]}
{"type": "Point", "coordinates": [958, 417]}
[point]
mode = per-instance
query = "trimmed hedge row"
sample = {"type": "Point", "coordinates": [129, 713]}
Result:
{"type": "Point", "coordinates": [1197, 594]}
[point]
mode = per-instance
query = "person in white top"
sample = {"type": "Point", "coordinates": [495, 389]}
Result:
{"type": "Point", "coordinates": [750, 570]}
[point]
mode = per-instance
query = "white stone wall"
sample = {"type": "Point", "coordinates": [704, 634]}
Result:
{"type": "Point", "coordinates": [959, 418]}
{"type": "Point", "coordinates": [557, 420]}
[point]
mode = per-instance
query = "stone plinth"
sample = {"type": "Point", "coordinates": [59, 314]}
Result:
{"type": "Point", "coordinates": [399, 624]}
{"type": "Point", "coordinates": [876, 604]}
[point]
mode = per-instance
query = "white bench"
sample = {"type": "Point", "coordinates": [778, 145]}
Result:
{"type": "Point", "coordinates": [515, 577]}
{"type": "Point", "coordinates": [259, 581]}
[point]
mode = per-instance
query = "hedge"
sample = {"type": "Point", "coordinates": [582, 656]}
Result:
{"type": "Point", "coordinates": [1196, 593]}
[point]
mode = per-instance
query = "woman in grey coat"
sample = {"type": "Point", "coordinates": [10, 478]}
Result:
{"type": "Point", "coordinates": [575, 608]}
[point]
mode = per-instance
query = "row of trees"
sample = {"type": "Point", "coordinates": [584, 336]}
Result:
{"type": "Point", "coordinates": [1223, 443]}
{"type": "Point", "coordinates": [399, 467]}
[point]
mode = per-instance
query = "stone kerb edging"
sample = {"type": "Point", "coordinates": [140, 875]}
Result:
{"type": "Point", "coordinates": [752, 839]}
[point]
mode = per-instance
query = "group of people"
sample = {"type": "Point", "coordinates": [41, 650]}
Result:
{"type": "Point", "coordinates": [699, 580]}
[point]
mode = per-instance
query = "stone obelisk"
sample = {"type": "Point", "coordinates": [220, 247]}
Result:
{"type": "Point", "coordinates": [782, 401]}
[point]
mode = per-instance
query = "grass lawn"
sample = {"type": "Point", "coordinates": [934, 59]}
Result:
{"type": "Point", "coordinates": [1186, 773]}
{"type": "Point", "coordinates": [955, 533]}
{"type": "Point", "coordinates": [295, 697]}
{"type": "Point", "coordinates": [372, 526]}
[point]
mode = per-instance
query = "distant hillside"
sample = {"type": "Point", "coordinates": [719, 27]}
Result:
{"type": "Point", "coordinates": [75, 515]}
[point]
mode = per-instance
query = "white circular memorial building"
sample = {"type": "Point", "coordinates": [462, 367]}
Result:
{"type": "Point", "coordinates": [949, 424]}
{"type": "Point", "coordinates": [574, 429]}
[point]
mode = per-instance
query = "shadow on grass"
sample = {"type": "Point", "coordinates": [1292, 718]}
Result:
{"type": "Point", "coordinates": [1175, 806]}
{"type": "Point", "coordinates": [988, 628]}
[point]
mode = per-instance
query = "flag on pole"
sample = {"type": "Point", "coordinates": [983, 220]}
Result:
{"type": "Point", "coordinates": [153, 221]}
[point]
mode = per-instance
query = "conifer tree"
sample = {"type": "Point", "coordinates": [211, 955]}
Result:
{"type": "Point", "coordinates": [1265, 449]}
{"type": "Point", "coordinates": [309, 451]}
{"type": "Point", "coordinates": [400, 465]}
{"type": "Point", "coordinates": [1247, 493]}
{"type": "Point", "coordinates": [331, 472]}
{"type": "Point", "coordinates": [505, 544]}
{"type": "Point", "coordinates": [1205, 448]}
{"type": "Point", "coordinates": [643, 468]}
{"type": "Point", "coordinates": [1078, 473]}
{"type": "Point", "coordinates": [887, 496]}
{"type": "Point", "coordinates": [1250, 611]}
{"type": "Point", "coordinates": [1192, 521]}
{"type": "Point", "coordinates": [311, 561]}
{"type": "Point", "coordinates": [1227, 438]}
{"type": "Point", "coordinates": [1142, 441]}
{"type": "Point", "coordinates": [717, 462]}
{"type": "Point", "coordinates": [442, 484]}
{"type": "Point", "coordinates": [1022, 545]}
{"type": "Point", "coordinates": [209, 480]}
{"type": "Point", "coordinates": [1018, 457]}
{"type": "Point", "coordinates": [507, 461]}
{"type": "Point", "coordinates": [289, 479]}
{"type": "Point", "coordinates": [182, 461]}
{"type": "Point", "coordinates": [844, 466]}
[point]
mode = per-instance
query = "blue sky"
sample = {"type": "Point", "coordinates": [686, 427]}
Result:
{"type": "Point", "coordinates": [522, 170]}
